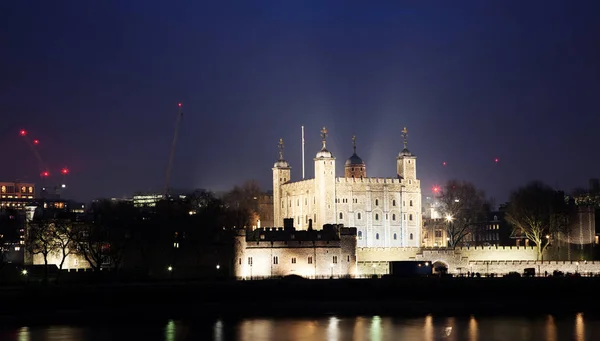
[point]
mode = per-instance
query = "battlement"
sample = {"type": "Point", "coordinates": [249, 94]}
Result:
{"type": "Point", "coordinates": [330, 232]}
{"type": "Point", "coordinates": [368, 180]}
{"type": "Point", "coordinates": [302, 184]}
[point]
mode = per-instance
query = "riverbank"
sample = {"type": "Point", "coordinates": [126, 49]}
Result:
{"type": "Point", "coordinates": [410, 296]}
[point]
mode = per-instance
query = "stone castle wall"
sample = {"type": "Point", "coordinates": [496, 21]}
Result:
{"type": "Point", "coordinates": [500, 260]}
{"type": "Point", "coordinates": [72, 261]}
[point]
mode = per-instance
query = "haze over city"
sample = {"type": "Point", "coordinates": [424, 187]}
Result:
{"type": "Point", "coordinates": [98, 84]}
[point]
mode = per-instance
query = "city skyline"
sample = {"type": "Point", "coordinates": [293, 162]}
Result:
{"type": "Point", "coordinates": [517, 86]}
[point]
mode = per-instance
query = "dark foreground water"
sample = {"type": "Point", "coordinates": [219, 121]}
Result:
{"type": "Point", "coordinates": [536, 328]}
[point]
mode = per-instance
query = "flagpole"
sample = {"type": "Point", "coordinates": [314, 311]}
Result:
{"type": "Point", "coordinates": [302, 152]}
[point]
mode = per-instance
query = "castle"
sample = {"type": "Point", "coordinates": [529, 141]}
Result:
{"type": "Point", "coordinates": [385, 211]}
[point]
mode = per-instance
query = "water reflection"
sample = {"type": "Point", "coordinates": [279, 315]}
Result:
{"type": "Point", "coordinates": [23, 334]}
{"type": "Point", "coordinates": [334, 328]}
{"type": "Point", "coordinates": [579, 328]}
{"type": "Point", "coordinates": [551, 334]}
{"type": "Point", "coordinates": [473, 335]}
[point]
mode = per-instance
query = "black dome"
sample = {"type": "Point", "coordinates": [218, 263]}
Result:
{"type": "Point", "coordinates": [354, 160]}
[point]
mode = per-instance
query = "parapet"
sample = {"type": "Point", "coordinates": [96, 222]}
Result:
{"type": "Point", "coordinates": [368, 180]}
{"type": "Point", "coordinates": [330, 232]}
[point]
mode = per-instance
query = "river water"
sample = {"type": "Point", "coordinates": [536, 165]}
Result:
{"type": "Point", "coordinates": [377, 328]}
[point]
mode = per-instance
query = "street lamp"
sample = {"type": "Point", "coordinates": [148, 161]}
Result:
{"type": "Point", "coordinates": [169, 268]}
{"type": "Point", "coordinates": [218, 266]}
{"type": "Point", "coordinates": [24, 272]}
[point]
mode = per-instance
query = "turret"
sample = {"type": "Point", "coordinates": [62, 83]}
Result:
{"type": "Point", "coordinates": [355, 166]}
{"type": "Point", "coordinates": [281, 174]}
{"type": "Point", "coordinates": [325, 184]}
{"type": "Point", "coordinates": [406, 161]}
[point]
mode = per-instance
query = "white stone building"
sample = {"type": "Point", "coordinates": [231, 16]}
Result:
{"type": "Point", "coordinates": [268, 252]}
{"type": "Point", "coordinates": [385, 211]}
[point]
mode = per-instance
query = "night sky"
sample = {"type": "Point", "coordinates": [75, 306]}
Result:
{"type": "Point", "coordinates": [98, 82]}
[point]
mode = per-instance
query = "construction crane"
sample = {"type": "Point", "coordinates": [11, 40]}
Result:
{"type": "Point", "coordinates": [172, 153]}
{"type": "Point", "coordinates": [44, 172]}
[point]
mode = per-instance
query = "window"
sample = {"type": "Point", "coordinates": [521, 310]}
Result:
{"type": "Point", "coordinates": [334, 259]}
{"type": "Point", "coordinates": [293, 260]}
{"type": "Point", "coordinates": [309, 260]}
{"type": "Point", "coordinates": [376, 216]}
{"type": "Point", "coordinates": [377, 236]}
{"type": "Point", "coordinates": [297, 202]}
{"type": "Point", "coordinates": [495, 217]}
{"type": "Point", "coordinates": [282, 204]}
{"type": "Point", "coordinates": [275, 260]}
{"type": "Point", "coordinates": [411, 236]}
{"type": "Point", "coordinates": [358, 215]}
{"type": "Point", "coordinates": [394, 216]}
{"type": "Point", "coordinates": [395, 236]}
{"type": "Point", "coordinates": [249, 260]}
{"type": "Point", "coordinates": [341, 215]}
{"type": "Point", "coordinates": [393, 202]}
{"type": "Point", "coordinates": [3, 189]}
{"type": "Point", "coordinates": [376, 202]}
{"type": "Point", "coordinates": [30, 189]}
{"type": "Point", "coordinates": [360, 235]}
{"type": "Point", "coordinates": [348, 258]}
{"type": "Point", "coordinates": [410, 217]}
{"type": "Point", "coordinates": [23, 189]}
{"type": "Point", "coordinates": [410, 203]}
{"type": "Point", "coordinates": [438, 234]}
{"type": "Point", "coordinates": [176, 245]}
{"type": "Point", "coordinates": [240, 261]}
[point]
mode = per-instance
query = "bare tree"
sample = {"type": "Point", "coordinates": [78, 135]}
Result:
{"type": "Point", "coordinates": [465, 208]}
{"type": "Point", "coordinates": [242, 203]}
{"type": "Point", "coordinates": [39, 240]}
{"type": "Point", "coordinates": [538, 212]}
{"type": "Point", "coordinates": [91, 239]}
{"type": "Point", "coordinates": [64, 241]}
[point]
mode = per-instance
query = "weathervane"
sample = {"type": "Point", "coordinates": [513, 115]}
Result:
{"type": "Point", "coordinates": [280, 149]}
{"type": "Point", "coordinates": [404, 136]}
{"type": "Point", "coordinates": [354, 143]}
{"type": "Point", "coordinates": [324, 136]}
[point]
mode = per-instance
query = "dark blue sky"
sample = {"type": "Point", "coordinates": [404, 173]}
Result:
{"type": "Point", "coordinates": [98, 83]}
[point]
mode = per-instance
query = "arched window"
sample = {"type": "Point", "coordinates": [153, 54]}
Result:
{"type": "Point", "coordinates": [411, 236]}
{"type": "Point", "coordinates": [377, 236]}
{"type": "Point", "coordinates": [495, 217]}
{"type": "Point", "coordinates": [410, 203]}
{"type": "Point", "coordinates": [393, 216]}
{"type": "Point", "coordinates": [341, 215]}
{"type": "Point", "coordinates": [358, 215]}
{"type": "Point", "coordinates": [395, 236]}
{"type": "Point", "coordinates": [376, 216]}
{"type": "Point", "coordinates": [393, 202]}
{"type": "Point", "coordinates": [376, 202]}
{"type": "Point", "coordinates": [359, 234]}
{"type": "Point", "coordinates": [410, 217]}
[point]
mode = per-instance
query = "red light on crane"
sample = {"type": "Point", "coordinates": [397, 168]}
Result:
{"type": "Point", "coordinates": [65, 171]}
{"type": "Point", "coordinates": [36, 141]}
{"type": "Point", "coordinates": [435, 189]}
{"type": "Point", "coordinates": [179, 104]}
{"type": "Point", "coordinates": [23, 132]}
{"type": "Point", "coordinates": [444, 163]}
{"type": "Point", "coordinates": [496, 160]}
{"type": "Point", "coordinates": [45, 174]}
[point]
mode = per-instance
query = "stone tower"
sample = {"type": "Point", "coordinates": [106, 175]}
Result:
{"type": "Point", "coordinates": [406, 162]}
{"type": "Point", "coordinates": [411, 195]}
{"type": "Point", "coordinates": [324, 185]}
{"type": "Point", "coordinates": [355, 166]}
{"type": "Point", "coordinates": [281, 174]}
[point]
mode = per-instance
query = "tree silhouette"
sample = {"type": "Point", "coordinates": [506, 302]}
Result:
{"type": "Point", "coordinates": [538, 212]}
{"type": "Point", "coordinates": [39, 240]}
{"type": "Point", "coordinates": [465, 209]}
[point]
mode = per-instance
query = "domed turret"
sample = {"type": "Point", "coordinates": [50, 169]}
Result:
{"type": "Point", "coordinates": [324, 153]}
{"type": "Point", "coordinates": [281, 163]}
{"type": "Point", "coordinates": [355, 167]}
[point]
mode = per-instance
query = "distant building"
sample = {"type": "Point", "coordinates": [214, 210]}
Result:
{"type": "Point", "coordinates": [267, 252]}
{"type": "Point", "coordinates": [16, 189]}
{"type": "Point", "coordinates": [434, 233]}
{"type": "Point", "coordinates": [147, 200]}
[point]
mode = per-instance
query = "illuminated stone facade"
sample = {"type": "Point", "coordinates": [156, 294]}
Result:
{"type": "Point", "coordinates": [385, 211]}
{"type": "Point", "coordinates": [267, 252]}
